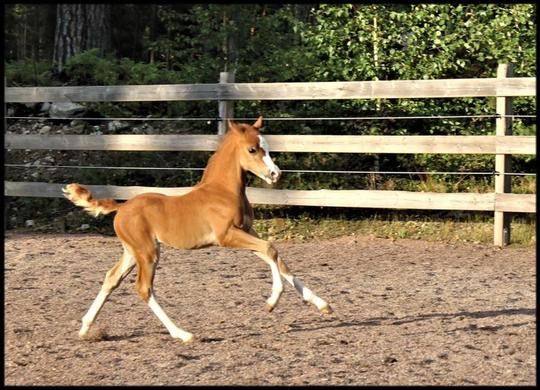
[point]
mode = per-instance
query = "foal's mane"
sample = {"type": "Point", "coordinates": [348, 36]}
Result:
{"type": "Point", "coordinates": [225, 148]}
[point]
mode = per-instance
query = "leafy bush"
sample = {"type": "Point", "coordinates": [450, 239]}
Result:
{"type": "Point", "coordinates": [28, 73]}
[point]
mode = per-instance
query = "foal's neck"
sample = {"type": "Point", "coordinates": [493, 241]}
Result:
{"type": "Point", "coordinates": [224, 170]}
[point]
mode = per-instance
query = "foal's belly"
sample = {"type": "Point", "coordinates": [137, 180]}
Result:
{"type": "Point", "coordinates": [188, 240]}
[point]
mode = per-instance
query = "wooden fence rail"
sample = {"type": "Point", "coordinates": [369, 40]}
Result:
{"type": "Point", "coordinates": [394, 89]}
{"type": "Point", "coordinates": [448, 144]}
{"type": "Point", "coordinates": [502, 145]}
{"type": "Point", "coordinates": [518, 203]}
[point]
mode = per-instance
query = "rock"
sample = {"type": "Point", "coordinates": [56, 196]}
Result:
{"type": "Point", "coordinates": [45, 107]}
{"type": "Point", "coordinates": [389, 360]}
{"type": "Point", "coordinates": [45, 130]}
{"type": "Point", "coordinates": [66, 110]}
{"type": "Point", "coordinates": [117, 125]}
{"type": "Point", "coordinates": [48, 160]}
{"type": "Point", "coordinates": [79, 129]}
{"type": "Point", "coordinates": [443, 355]}
{"type": "Point", "coordinates": [29, 223]}
{"type": "Point", "coordinates": [85, 226]}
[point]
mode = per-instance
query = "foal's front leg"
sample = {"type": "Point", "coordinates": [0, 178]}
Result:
{"type": "Point", "coordinates": [237, 238]}
{"type": "Point", "coordinates": [277, 283]}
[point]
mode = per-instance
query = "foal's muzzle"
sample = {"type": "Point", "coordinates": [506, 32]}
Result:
{"type": "Point", "coordinates": [271, 176]}
{"type": "Point", "coordinates": [275, 175]}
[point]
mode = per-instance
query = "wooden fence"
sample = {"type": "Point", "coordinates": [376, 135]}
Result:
{"type": "Point", "coordinates": [502, 145]}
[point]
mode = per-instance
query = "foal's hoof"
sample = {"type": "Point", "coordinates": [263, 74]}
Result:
{"type": "Point", "coordinates": [326, 309]}
{"type": "Point", "coordinates": [186, 337]}
{"type": "Point", "coordinates": [189, 339]}
{"type": "Point", "coordinates": [83, 333]}
{"type": "Point", "coordinates": [269, 307]}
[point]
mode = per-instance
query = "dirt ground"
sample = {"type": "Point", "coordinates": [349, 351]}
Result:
{"type": "Point", "coordinates": [406, 313]}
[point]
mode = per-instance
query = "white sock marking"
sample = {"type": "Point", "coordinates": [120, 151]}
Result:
{"type": "Point", "coordinates": [305, 292]}
{"type": "Point", "coordinates": [128, 262]}
{"type": "Point", "coordinates": [175, 331]}
{"type": "Point", "coordinates": [92, 312]}
{"type": "Point", "coordinates": [277, 283]}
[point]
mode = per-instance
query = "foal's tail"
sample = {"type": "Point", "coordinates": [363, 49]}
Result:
{"type": "Point", "coordinates": [83, 198]}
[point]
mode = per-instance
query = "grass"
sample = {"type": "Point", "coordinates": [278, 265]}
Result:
{"type": "Point", "coordinates": [300, 224]}
{"type": "Point", "coordinates": [396, 226]}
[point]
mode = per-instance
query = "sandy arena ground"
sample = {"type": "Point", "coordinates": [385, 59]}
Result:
{"type": "Point", "coordinates": [406, 313]}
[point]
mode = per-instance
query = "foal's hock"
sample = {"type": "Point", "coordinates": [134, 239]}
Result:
{"type": "Point", "coordinates": [215, 212]}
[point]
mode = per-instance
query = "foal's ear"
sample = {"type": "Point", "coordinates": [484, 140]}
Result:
{"type": "Point", "coordinates": [233, 126]}
{"type": "Point", "coordinates": [258, 124]}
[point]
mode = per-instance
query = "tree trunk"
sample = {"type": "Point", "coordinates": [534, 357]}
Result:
{"type": "Point", "coordinates": [80, 27]}
{"type": "Point", "coordinates": [231, 17]}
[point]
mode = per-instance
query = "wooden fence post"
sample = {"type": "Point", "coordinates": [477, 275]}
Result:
{"type": "Point", "coordinates": [5, 130]}
{"type": "Point", "coordinates": [503, 161]}
{"type": "Point", "coordinates": [226, 107]}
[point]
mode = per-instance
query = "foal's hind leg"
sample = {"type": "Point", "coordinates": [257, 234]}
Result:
{"type": "Point", "coordinates": [147, 263]}
{"type": "Point", "coordinates": [112, 279]}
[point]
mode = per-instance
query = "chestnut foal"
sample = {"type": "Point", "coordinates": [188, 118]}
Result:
{"type": "Point", "coordinates": [215, 212]}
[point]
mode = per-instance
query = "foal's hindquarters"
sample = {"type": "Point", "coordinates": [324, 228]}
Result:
{"type": "Point", "coordinates": [141, 242]}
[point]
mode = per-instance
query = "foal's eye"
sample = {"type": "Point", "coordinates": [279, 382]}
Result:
{"type": "Point", "coordinates": [252, 150]}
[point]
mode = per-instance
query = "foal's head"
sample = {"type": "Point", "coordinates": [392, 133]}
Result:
{"type": "Point", "coordinates": [253, 151]}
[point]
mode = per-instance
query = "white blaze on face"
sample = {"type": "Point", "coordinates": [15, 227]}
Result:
{"type": "Point", "coordinates": [273, 168]}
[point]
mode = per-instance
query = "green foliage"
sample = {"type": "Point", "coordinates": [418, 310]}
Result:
{"type": "Point", "coordinates": [338, 42]}
{"type": "Point", "coordinates": [89, 68]}
{"type": "Point", "coordinates": [423, 41]}
{"type": "Point", "coordinates": [22, 73]}
{"type": "Point", "coordinates": [256, 42]}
